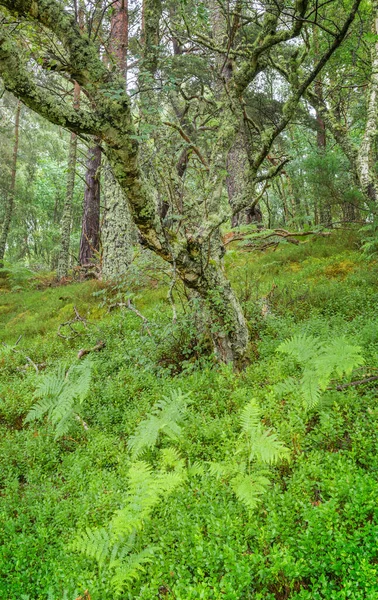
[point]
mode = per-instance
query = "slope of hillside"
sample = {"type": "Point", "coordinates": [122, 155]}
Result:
{"type": "Point", "coordinates": [211, 501]}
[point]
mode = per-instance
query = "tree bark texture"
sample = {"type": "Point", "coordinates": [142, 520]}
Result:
{"type": "Point", "coordinates": [119, 35]}
{"type": "Point", "coordinates": [90, 232]}
{"type": "Point", "coordinates": [12, 188]}
{"type": "Point", "coordinates": [117, 229]}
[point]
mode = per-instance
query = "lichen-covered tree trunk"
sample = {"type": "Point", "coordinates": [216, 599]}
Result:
{"type": "Point", "coordinates": [236, 177]}
{"type": "Point", "coordinates": [12, 189]}
{"type": "Point", "coordinates": [204, 274]}
{"type": "Point", "coordinates": [90, 232]}
{"type": "Point", "coordinates": [64, 254]}
{"type": "Point", "coordinates": [365, 157]}
{"type": "Point", "coordinates": [117, 250]}
{"type": "Point", "coordinates": [118, 227]}
{"type": "Point", "coordinates": [237, 157]}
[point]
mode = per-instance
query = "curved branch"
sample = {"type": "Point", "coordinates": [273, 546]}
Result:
{"type": "Point", "coordinates": [84, 61]}
{"type": "Point", "coordinates": [18, 80]}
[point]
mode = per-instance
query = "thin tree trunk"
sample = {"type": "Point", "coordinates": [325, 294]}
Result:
{"type": "Point", "coordinates": [64, 255]}
{"type": "Point", "coordinates": [12, 189]}
{"type": "Point", "coordinates": [348, 212]}
{"type": "Point", "coordinates": [325, 215]}
{"type": "Point", "coordinates": [119, 37]}
{"type": "Point", "coordinates": [90, 233]}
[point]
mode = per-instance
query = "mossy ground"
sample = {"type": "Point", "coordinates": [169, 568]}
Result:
{"type": "Point", "coordinates": [315, 533]}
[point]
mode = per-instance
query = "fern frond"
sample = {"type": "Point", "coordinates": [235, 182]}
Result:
{"type": "Point", "coordinates": [94, 543]}
{"type": "Point", "coordinates": [78, 381]}
{"type": "Point", "coordinates": [59, 393]}
{"type": "Point", "coordinates": [249, 488]}
{"type": "Point", "coordinates": [39, 409]}
{"type": "Point", "coordinates": [145, 436]}
{"type": "Point", "coordinates": [171, 457]}
{"type": "Point", "coordinates": [250, 417]}
{"type": "Point", "coordinates": [167, 416]}
{"type": "Point", "coordinates": [320, 362]}
{"type": "Point", "coordinates": [310, 388]}
{"type": "Point", "coordinates": [289, 386]}
{"type": "Point", "coordinates": [52, 384]}
{"type": "Point", "coordinates": [169, 482]}
{"type": "Point", "coordinates": [221, 470]}
{"type": "Point", "coordinates": [266, 448]}
{"type": "Point", "coordinates": [126, 521]}
{"type": "Point", "coordinates": [302, 347]}
{"type": "Point", "coordinates": [196, 469]}
{"type": "Point", "coordinates": [340, 358]}
{"type": "Point", "coordinates": [130, 569]}
{"type": "Point", "coordinates": [142, 494]}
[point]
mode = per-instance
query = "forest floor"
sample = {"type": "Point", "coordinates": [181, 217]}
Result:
{"type": "Point", "coordinates": [314, 533]}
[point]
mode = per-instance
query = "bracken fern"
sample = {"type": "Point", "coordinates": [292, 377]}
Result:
{"type": "Point", "coordinates": [320, 362]}
{"type": "Point", "coordinates": [167, 417]}
{"type": "Point", "coordinates": [114, 546]}
{"type": "Point", "coordinates": [258, 448]}
{"type": "Point", "coordinates": [60, 393]}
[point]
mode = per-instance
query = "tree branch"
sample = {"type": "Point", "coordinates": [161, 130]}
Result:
{"type": "Point", "coordinates": [18, 80]}
{"type": "Point", "coordinates": [86, 66]}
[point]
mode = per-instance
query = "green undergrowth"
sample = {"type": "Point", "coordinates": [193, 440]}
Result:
{"type": "Point", "coordinates": [173, 513]}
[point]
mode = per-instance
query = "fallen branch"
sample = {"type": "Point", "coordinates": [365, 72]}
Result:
{"type": "Point", "coordinates": [84, 351]}
{"type": "Point", "coordinates": [342, 386]}
{"type": "Point", "coordinates": [78, 319]}
{"type": "Point", "coordinates": [136, 311]}
{"type": "Point", "coordinates": [129, 305]}
{"type": "Point", "coordinates": [13, 349]}
{"type": "Point", "coordinates": [82, 422]}
{"type": "Point", "coordinates": [288, 235]}
{"type": "Point", "coordinates": [70, 324]}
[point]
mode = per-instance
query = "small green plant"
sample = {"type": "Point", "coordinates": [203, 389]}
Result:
{"type": "Point", "coordinates": [59, 395]}
{"type": "Point", "coordinates": [320, 362]}
{"type": "Point", "coordinates": [166, 417]}
{"type": "Point", "coordinates": [116, 547]}
{"type": "Point", "coordinates": [257, 449]}
{"type": "Point", "coordinates": [369, 243]}
{"type": "Point", "coordinates": [16, 276]}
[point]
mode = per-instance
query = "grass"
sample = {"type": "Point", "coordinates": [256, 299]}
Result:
{"type": "Point", "coordinates": [314, 534]}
